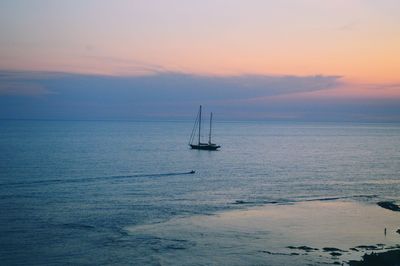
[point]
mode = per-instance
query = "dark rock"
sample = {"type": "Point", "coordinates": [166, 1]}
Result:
{"type": "Point", "coordinates": [371, 247]}
{"type": "Point", "coordinates": [305, 248]}
{"type": "Point", "coordinates": [393, 247]}
{"type": "Point", "coordinates": [266, 252]}
{"type": "Point", "coordinates": [335, 254]}
{"type": "Point", "coordinates": [388, 258]}
{"type": "Point", "coordinates": [277, 253]}
{"type": "Point", "coordinates": [329, 249]}
{"type": "Point", "coordinates": [390, 205]}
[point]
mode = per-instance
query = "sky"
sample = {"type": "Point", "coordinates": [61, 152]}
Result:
{"type": "Point", "coordinates": [301, 60]}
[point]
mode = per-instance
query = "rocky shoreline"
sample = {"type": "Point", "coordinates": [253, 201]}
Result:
{"type": "Point", "coordinates": [388, 258]}
{"type": "Point", "coordinates": [390, 205]}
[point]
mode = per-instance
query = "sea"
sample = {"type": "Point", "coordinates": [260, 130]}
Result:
{"type": "Point", "coordinates": [70, 189]}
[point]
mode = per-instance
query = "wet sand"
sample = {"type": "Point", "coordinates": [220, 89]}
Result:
{"type": "Point", "coordinates": [305, 233]}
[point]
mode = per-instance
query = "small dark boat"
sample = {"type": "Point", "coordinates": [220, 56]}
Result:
{"type": "Point", "coordinates": [201, 145]}
{"type": "Point", "coordinates": [192, 172]}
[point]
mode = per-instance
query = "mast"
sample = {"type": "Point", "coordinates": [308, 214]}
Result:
{"type": "Point", "coordinates": [199, 123]}
{"type": "Point", "coordinates": [209, 135]}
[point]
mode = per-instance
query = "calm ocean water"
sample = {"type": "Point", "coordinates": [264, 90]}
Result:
{"type": "Point", "coordinates": [69, 188]}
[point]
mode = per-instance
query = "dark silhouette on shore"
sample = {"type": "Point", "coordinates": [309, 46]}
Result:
{"type": "Point", "coordinates": [389, 258]}
{"type": "Point", "coordinates": [390, 205]}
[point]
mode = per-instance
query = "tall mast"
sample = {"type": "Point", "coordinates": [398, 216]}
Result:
{"type": "Point", "coordinates": [199, 123]}
{"type": "Point", "coordinates": [209, 135]}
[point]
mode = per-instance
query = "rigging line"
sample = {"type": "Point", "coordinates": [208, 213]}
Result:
{"type": "Point", "coordinates": [194, 129]}
{"type": "Point", "coordinates": [191, 136]}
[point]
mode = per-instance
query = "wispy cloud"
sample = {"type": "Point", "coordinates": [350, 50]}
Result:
{"type": "Point", "coordinates": [122, 66]}
{"type": "Point", "coordinates": [176, 95]}
{"type": "Point", "coordinates": [22, 89]}
{"type": "Point", "coordinates": [24, 83]}
{"type": "Point", "coordinates": [348, 26]}
{"type": "Point", "coordinates": [167, 85]}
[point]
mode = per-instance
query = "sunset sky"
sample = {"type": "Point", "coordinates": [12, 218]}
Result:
{"type": "Point", "coordinates": [289, 59]}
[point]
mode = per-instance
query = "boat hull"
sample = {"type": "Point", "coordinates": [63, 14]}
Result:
{"type": "Point", "coordinates": [208, 147]}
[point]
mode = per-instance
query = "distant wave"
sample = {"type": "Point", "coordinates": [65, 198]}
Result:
{"type": "Point", "coordinates": [244, 202]}
{"type": "Point", "coordinates": [78, 226]}
{"type": "Point", "coordinates": [342, 197]}
{"type": "Point", "coordinates": [91, 179]}
{"type": "Point", "coordinates": [291, 201]}
{"type": "Point", "coordinates": [357, 182]}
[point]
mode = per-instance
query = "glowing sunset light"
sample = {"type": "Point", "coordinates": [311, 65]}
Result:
{"type": "Point", "coordinates": [357, 41]}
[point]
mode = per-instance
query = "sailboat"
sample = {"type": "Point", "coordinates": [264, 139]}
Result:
{"type": "Point", "coordinates": [200, 145]}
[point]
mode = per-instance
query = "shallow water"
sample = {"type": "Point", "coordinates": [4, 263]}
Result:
{"type": "Point", "coordinates": [69, 188]}
{"type": "Point", "coordinates": [273, 233]}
